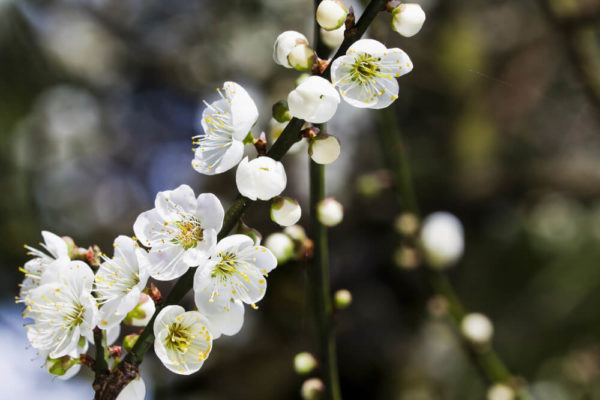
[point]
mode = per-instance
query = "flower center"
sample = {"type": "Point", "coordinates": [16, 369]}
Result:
{"type": "Point", "coordinates": [75, 316]}
{"type": "Point", "coordinates": [226, 267]}
{"type": "Point", "coordinates": [365, 67]}
{"type": "Point", "coordinates": [189, 234]}
{"type": "Point", "coordinates": [178, 338]}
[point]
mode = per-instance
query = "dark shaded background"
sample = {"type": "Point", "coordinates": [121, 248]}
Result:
{"type": "Point", "coordinates": [501, 117]}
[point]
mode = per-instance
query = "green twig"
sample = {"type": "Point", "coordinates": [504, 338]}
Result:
{"type": "Point", "coordinates": [488, 361]}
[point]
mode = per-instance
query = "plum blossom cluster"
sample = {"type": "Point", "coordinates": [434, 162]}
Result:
{"type": "Point", "coordinates": [71, 294]}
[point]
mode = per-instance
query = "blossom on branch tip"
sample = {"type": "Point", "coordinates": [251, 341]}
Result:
{"type": "Point", "coordinates": [408, 19]}
{"type": "Point", "coordinates": [226, 123]}
{"type": "Point", "coordinates": [235, 274]}
{"type": "Point", "coordinates": [119, 282]}
{"type": "Point", "coordinates": [62, 308]}
{"type": "Point", "coordinates": [182, 339]}
{"type": "Point", "coordinates": [57, 249]}
{"type": "Point", "coordinates": [333, 39]}
{"type": "Point", "coordinates": [262, 178]}
{"type": "Point", "coordinates": [331, 14]}
{"type": "Point", "coordinates": [314, 100]}
{"type": "Point", "coordinates": [181, 231]}
{"type": "Point", "coordinates": [366, 75]}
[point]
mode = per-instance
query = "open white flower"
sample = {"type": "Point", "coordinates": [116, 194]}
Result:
{"type": "Point", "coordinates": [262, 178]}
{"type": "Point", "coordinates": [120, 281]}
{"type": "Point", "coordinates": [182, 339]}
{"type": "Point", "coordinates": [226, 123]}
{"type": "Point", "coordinates": [62, 308]}
{"type": "Point", "coordinates": [135, 390]}
{"type": "Point", "coordinates": [314, 100]}
{"type": "Point", "coordinates": [181, 231]}
{"type": "Point", "coordinates": [366, 75]}
{"type": "Point", "coordinates": [57, 249]}
{"type": "Point", "coordinates": [234, 275]}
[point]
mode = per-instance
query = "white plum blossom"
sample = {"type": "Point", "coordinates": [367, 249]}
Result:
{"type": "Point", "coordinates": [182, 339]}
{"type": "Point", "coordinates": [333, 39]}
{"type": "Point", "coordinates": [226, 123]}
{"type": "Point", "coordinates": [281, 245]}
{"type": "Point", "coordinates": [314, 100]}
{"type": "Point", "coordinates": [135, 390]}
{"type": "Point", "coordinates": [477, 328]}
{"type": "Point", "coordinates": [324, 149]}
{"type": "Point", "coordinates": [442, 239]}
{"type": "Point", "coordinates": [285, 44]}
{"type": "Point", "coordinates": [119, 282]}
{"type": "Point", "coordinates": [366, 75]}
{"type": "Point", "coordinates": [57, 249]}
{"type": "Point", "coordinates": [235, 274]}
{"type": "Point", "coordinates": [181, 231]}
{"type": "Point", "coordinates": [331, 14]}
{"type": "Point", "coordinates": [330, 212]}
{"type": "Point", "coordinates": [262, 178]}
{"type": "Point", "coordinates": [285, 211]}
{"type": "Point", "coordinates": [62, 308]}
{"type": "Point", "coordinates": [408, 19]}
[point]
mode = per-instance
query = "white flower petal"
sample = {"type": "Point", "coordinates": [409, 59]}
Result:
{"type": "Point", "coordinates": [171, 204]}
{"type": "Point", "coordinates": [55, 245]}
{"type": "Point", "coordinates": [135, 390]}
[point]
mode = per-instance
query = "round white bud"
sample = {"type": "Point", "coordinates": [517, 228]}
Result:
{"type": "Point", "coordinates": [304, 363]}
{"type": "Point", "coordinates": [442, 239]}
{"type": "Point", "coordinates": [262, 178]}
{"type": "Point", "coordinates": [324, 149]}
{"type": "Point", "coordinates": [281, 246]}
{"type": "Point", "coordinates": [477, 328]}
{"type": "Point", "coordinates": [408, 19]}
{"type": "Point", "coordinates": [285, 211]}
{"type": "Point", "coordinates": [314, 100]}
{"type": "Point", "coordinates": [330, 212]}
{"type": "Point", "coordinates": [500, 391]}
{"type": "Point", "coordinates": [331, 14]}
{"type": "Point", "coordinates": [312, 389]}
{"type": "Point", "coordinates": [296, 232]}
{"type": "Point", "coordinates": [333, 39]}
{"type": "Point", "coordinates": [141, 314]}
{"type": "Point", "coordinates": [301, 57]}
{"type": "Point", "coordinates": [342, 299]}
{"type": "Point", "coordinates": [284, 44]}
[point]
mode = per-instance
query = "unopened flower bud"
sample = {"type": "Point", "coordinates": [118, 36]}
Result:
{"type": "Point", "coordinates": [314, 100]}
{"type": "Point", "coordinates": [281, 246]}
{"type": "Point", "coordinates": [312, 389]}
{"type": "Point", "coordinates": [500, 391]}
{"type": "Point", "coordinates": [406, 224]}
{"type": "Point", "coordinates": [284, 44]}
{"type": "Point", "coordinates": [285, 211]}
{"type": "Point", "coordinates": [304, 363]}
{"type": "Point", "coordinates": [281, 112]}
{"type": "Point", "coordinates": [63, 367]}
{"type": "Point", "coordinates": [301, 57]}
{"type": "Point", "coordinates": [252, 233]}
{"type": "Point", "coordinates": [262, 178]}
{"type": "Point", "coordinates": [129, 341]}
{"type": "Point", "coordinates": [477, 328]}
{"type": "Point", "coordinates": [142, 312]}
{"type": "Point", "coordinates": [408, 19]}
{"type": "Point", "coordinates": [331, 14]}
{"type": "Point", "coordinates": [442, 239]}
{"type": "Point", "coordinates": [296, 232]}
{"type": "Point", "coordinates": [330, 212]}
{"type": "Point", "coordinates": [324, 149]}
{"type": "Point", "coordinates": [333, 39]}
{"type": "Point", "coordinates": [342, 299]}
